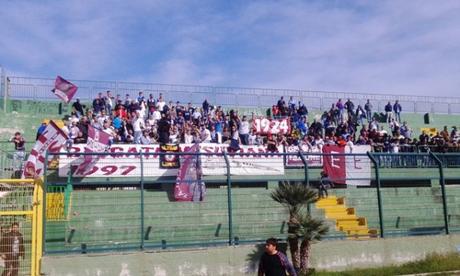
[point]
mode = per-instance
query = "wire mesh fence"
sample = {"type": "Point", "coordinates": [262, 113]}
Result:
{"type": "Point", "coordinates": [15, 228]}
{"type": "Point", "coordinates": [39, 89]}
{"type": "Point", "coordinates": [384, 194]}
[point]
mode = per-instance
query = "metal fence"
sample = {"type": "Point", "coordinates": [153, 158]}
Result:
{"type": "Point", "coordinates": [110, 213]}
{"type": "Point", "coordinates": [15, 199]}
{"type": "Point", "coordinates": [38, 89]}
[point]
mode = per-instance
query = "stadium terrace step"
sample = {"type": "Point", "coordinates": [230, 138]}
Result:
{"type": "Point", "coordinates": [360, 221]}
{"type": "Point", "coordinates": [362, 234]}
{"type": "Point", "coordinates": [94, 221]}
{"type": "Point", "coordinates": [345, 218]}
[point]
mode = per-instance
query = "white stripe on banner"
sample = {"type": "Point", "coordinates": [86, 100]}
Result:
{"type": "Point", "coordinates": [129, 164]}
{"type": "Point", "coordinates": [52, 139]}
{"type": "Point", "coordinates": [358, 168]}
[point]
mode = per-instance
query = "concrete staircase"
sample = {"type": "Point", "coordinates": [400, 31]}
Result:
{"type": "Point", "coordinates": [346, 219]}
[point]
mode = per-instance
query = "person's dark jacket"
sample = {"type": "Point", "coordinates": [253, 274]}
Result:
{"type": "Point", "coordinates": [7, 243]}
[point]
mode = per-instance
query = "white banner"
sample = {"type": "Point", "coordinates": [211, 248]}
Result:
{"type": "Point", "coordinates": [241, 164]}
{"type": "Point", "coordinates": [294, 161]}
{"type": "Point", "coordinates": [358, 168]}
{"type": "Point", "coordinates": [129, 164]}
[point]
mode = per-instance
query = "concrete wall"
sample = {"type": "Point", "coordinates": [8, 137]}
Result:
{"type": "Point", "coordinates": [242, 260]}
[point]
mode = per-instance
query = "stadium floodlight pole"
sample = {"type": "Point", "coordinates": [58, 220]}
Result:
{"type": "Point", "coordinates": [442, 182]}
{"type": "Point", "coordinates": [379, 196]}
{"type": "Point", "coordinates": [229, 200]}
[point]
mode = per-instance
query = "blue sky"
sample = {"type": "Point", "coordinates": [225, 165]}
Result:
{"type": "Point", "coordinates": [395, 47]}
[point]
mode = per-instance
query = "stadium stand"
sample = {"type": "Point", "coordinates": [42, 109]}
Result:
{"type": "Point", "coordinates": [92, 215]}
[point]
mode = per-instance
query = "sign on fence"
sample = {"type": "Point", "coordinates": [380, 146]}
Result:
{"type": "Point", "coordinates": [347, 169]}
{"type": "Point", "coordinates": [243, 162]}
{"type": "Point", "coordinates": [313, 155]}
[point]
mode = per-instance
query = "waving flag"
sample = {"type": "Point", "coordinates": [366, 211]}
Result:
{"type": "Point", "coordinates": [52, 139]}
{"type": "Point", "coordinates": [98, 141]}
{"type": "Point", "coordinates": [64, 89]}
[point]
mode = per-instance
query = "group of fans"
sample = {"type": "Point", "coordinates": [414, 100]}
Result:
{"type": "Point", "coordinates": [150, 119]}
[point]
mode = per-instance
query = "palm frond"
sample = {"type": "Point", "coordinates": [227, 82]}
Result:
{"type": "Point", "coordinates": [295, 194]}
{"type": "Point", "coordinates": [311, 229]}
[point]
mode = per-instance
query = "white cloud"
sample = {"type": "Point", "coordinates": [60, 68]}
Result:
{"type": "Point", "coordinates": [394, 47]}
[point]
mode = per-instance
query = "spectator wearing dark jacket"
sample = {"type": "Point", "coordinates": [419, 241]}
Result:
{"type": "Point", "coordinates": [397, 110]}
{"type": "Point", "coordinates": [273, 262]}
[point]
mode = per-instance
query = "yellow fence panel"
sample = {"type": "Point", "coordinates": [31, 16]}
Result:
{"type": "Point", "coordinates": [20, 236]}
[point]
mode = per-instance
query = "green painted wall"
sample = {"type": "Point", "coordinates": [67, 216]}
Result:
{"type": "Point", "coordinates": [242, 260]}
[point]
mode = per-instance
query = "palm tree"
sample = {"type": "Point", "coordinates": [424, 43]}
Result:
{"type": "Point", "coordinates": [295, 197]}
{"type": "Point", "coordinates": [310, 230]}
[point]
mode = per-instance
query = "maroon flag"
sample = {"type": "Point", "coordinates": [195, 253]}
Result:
{"type": "Point", "coordinates": [64, 89]}
{"type": "Point", "coordinates": [52, 139]}
{"type": "Point", "coordinates": [334, 163]}
{"type": "Point", "coordinates": [189, 186]}
{"type": "Point", "coordinates": [98, 141]}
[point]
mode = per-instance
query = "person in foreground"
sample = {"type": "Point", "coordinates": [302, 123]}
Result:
{"type": "Point", "coordinates": [273, 262]}
{"type": "Point", "coordinates": [11, 248]}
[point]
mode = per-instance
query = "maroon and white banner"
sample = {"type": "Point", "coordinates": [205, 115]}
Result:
{"type": "Point", "coordinates": [189, 186]}
{"type": "Point", "coordinates": [347, 169]}
{"type": "Point", "coordinates": [313, 155]}
{"type": "Point", "coordinates": [334, 163]}
{"type": "Point", "coordinates": [52, 139]}
{"type": "Point", "coordinates": [98, 141]}
{"type": "Point", "coordinates": [116, 165]}
{"type": "Point", "coordinates": [64, 89]}
{"type": "Point", "coordinates": [128, 164]}
{"type": "Point", "coordinates": [271, 126]}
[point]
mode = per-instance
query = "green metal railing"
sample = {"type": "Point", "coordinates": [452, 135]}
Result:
{"type": "Point", "coordinates": [135, 213]}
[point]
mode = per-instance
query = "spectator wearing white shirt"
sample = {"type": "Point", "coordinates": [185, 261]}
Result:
{"type": "Point", "coordinates": [160, 103]}
{"type": "Point", "coordinates": [73, 130]}
{"type": "Point", "coordinates": [319, 142]}
{"type": "Point", "coordinates": [151, 121]}
{"type": "Point", "coordinates": [156, 115]}
{"type": "Point", "coordinates": [174, 135]}
{"type": "Point", "coordinates": [109, 102]}
{"type": "Point", "coordinates": [188, 137]}
{"type": "Point", "coordinates": [102, 117]}
{"type": "Point", "coordinates": [145, 138]}
{"type": "Point", "coordinates": [196, 116]}
{"type": "Point", "coordinates": [244, 131]}
{"type": "Point", "coordinates": [291, 104]}
{"type": "Point", "coordinates": [252, 139]}
{"type": "Point", "coordinates": [350, 143]}
{"type": "Point", "coordinates": [374, 125]}
{"type": "Point", "coordinates": [143, 110]}
{"type": "Point", "coordinates": [138, 126]}
{"type": "Point", "coordinates": [205, 135]}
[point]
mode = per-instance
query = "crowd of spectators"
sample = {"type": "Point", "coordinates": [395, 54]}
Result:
{"type": "Point", "coordinates": [151, 119]}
